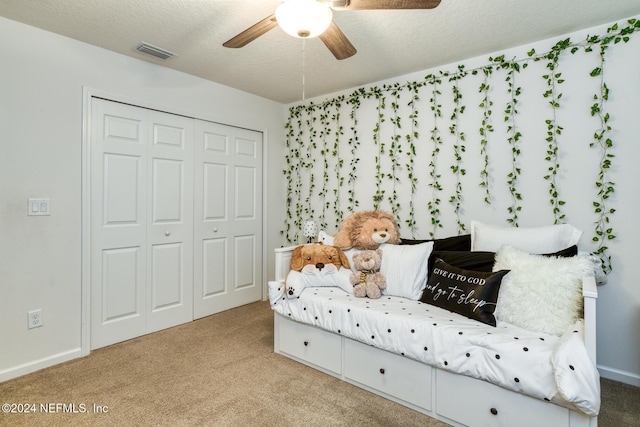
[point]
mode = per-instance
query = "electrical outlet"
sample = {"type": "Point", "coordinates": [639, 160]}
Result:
{"type": "Point", "coordinates": [34, 319]}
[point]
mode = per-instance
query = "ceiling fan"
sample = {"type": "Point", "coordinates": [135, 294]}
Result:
{"type": "Point", "coordinates": [314, 18]}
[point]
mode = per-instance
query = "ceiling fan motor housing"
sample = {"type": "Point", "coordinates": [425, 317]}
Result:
{"type": "Point", "coordinates": [304, 18]}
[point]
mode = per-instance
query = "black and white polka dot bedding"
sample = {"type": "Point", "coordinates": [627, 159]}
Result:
{"type": "Point", "coordinates": [547, 367]}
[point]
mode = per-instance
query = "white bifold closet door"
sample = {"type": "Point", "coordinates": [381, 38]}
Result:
{"type": "Point", "coordinates": [176, 220]}
{"type": "Point", "coordinates": [228, 217]}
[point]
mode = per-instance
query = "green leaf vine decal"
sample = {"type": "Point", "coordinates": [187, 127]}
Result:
{"type": "Point", "coordinates": [513, 135]}
{"type": "Point", "coordinates": [458, 147]}
{"type": "Point", "coordinates": [309, 211]}
{"type": "Point", "coordinates": [380, 148]}
{"type": "Point", "coordinates": [339, 162]}
{"type": "Point", "coordinates": [411, 139]}
{"type": "Point", "coordinates": [554, 131]}
{"type": "Point", "coordinates": [291, 165]}
{"type": "Point", "coordinates": [395, 150]}
{"type": "Point", "coordinates": [340, 138]}
{"type": "Point", "coordinates": [436, 139]}
{"type": "Point", "coordinates": [602, 139]}
{"type": "Point", "coordinates": [322, 194]}
{"type": "Point", "coordinates": [486, 128]}
{"type": "Point", "coordinates": [354, 143]}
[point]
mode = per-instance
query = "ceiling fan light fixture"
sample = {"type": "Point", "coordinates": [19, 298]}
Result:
{"type": "Point", "coordinates": [303, 18]}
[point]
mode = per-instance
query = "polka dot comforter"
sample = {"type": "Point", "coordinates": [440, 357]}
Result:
{"type": "Point", "coordinates": [547, 367]}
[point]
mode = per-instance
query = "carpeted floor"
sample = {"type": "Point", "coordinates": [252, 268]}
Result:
{"type": "Point", "coordinates": [220, 371]}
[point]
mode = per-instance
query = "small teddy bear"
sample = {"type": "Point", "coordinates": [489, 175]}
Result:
{"type": "Point", "coordinates": [367, 230]}
{"type": "Point", "coordinates": [367, 280]}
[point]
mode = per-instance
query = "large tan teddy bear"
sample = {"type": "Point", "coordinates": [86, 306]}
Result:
{"type": "Point", "coordinates": [367, 280]}
{"type": "Point", "coordinates": [367, 230]}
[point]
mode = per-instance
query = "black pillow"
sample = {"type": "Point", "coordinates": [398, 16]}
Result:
{"type": "Point", "coordinates": [481, 260]}
{"type": "Point", "coordinates": [454, 243]}
{"type": "Point", "coordinates": [468, 260]}
{"type": "Point", "coordinates": [473, 294]}
{"type": "Point", "coordinates": [565, 253]}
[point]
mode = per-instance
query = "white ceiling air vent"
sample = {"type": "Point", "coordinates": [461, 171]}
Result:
{"type": "Point", "coordinates": [155, 51]}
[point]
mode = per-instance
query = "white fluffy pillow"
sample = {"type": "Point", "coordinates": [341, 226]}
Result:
{"type": "Point", "coordinates": [535, 240]}
{"type": "Point", "coordinates": [406, 268]}
{"type": "Point", "coordinates": [542, 294]}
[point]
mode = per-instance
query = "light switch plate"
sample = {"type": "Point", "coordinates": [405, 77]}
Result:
{"type": "Point", "coordinates": [38, 207]}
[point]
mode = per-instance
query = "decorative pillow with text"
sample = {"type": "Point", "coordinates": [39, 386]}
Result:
{"type": "Point", "coordinates": [473, 294]}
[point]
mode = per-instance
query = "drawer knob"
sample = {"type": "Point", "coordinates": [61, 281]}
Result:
{"type": "Point", "coordinates": [494, 411]}
{"type": "Point", "coordinates": [306, 343]}
{"type": "Point", "coordinates": [382, 371]}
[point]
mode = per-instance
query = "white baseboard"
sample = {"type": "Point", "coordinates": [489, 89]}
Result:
{"type": "Point", "coordinates": [619, 375]}
{"type": "Point", "coordinates": [36, 365]}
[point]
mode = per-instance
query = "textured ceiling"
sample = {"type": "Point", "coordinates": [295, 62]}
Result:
{"type": "Point", "coordinates": [390, 42]}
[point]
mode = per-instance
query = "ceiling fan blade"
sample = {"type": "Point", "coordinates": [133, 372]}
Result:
{"type": "Point", "coordinates": [337, 42]}
{"type": "Point", "coordinates": [252, 33]}
{"type": "Point", "coordinates": [391, 4]}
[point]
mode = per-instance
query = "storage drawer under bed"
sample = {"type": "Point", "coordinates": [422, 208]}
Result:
{"type": "Point", "coordinates": [388, 373]}
{"type": "Point", "coordinates": [309, 344]}
{"type": "Point", "coordinates": [475, 402]}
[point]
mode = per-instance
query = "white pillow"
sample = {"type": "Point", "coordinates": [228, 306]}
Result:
{"type": "Point", "coordinates": [535, 240]}
{"type": "Point", "coordinates": [310, 276]}
{"type": "Point", "coordinates": [541, 294]}
{"type": "Point", "coordinates": [406, 268]}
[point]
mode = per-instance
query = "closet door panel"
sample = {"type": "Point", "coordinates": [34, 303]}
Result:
{"type": "Point", "coordinates": [214, 268]}
{"type": "Point", "coordinates": [245, 179]}
{"type": "Point", "coordinates": [122, 286]}
{"type": "Point", "coordinates": [245, 265]}
{"type": "Point", "coordinates": [214, 194]}
{"type": "Point", "coordinates": [228, 165]}
{"type": "Point", "coordinates": [118, 222]}
{"type": "Point", "coordinates": [170, 221]}
{"type": "Point", "coordinates": [167, 282]}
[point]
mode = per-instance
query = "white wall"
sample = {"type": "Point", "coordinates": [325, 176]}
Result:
{"type": "Point", "coordinates": [41, 116]}
{"type": "Point", "coordinates": [618, 333]}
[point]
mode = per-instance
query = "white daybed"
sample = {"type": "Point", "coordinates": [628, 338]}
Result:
{"type": "Point", "coordinates": [460, 371]}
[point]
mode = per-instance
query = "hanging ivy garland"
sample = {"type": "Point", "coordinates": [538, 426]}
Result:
{"type": "Point", "coordinates": [411, 139]}
{"type": "Point", "coordinates": [379, 144]}
{"type": "Point", "coordinates": [354, 143]}
{"type": "Point", "coordinates": [458, 147]}
{"type": "Point", "coordinates": [602, 138]}
{"type": "Point", "coordinates": [395, 150]}
{"type": "Point", "coordinates": [339, 162]}
{"type": "Point", "coordinates": [486, 128]}
{"type": "Point", "coordinates": [436, 139]}
{"type": "Point", "coordinates": [303, 137]}
{"type": "Point", "coordinates": [513, 134]}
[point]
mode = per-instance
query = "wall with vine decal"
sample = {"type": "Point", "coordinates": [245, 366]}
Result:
{"type": "Point", "coordinates": [407, 147]}
{"type": "Point", "coordinates": [541, 134]}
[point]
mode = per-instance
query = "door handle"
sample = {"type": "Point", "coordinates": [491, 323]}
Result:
{"type": "Point", "coordinates": [167, 233]}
